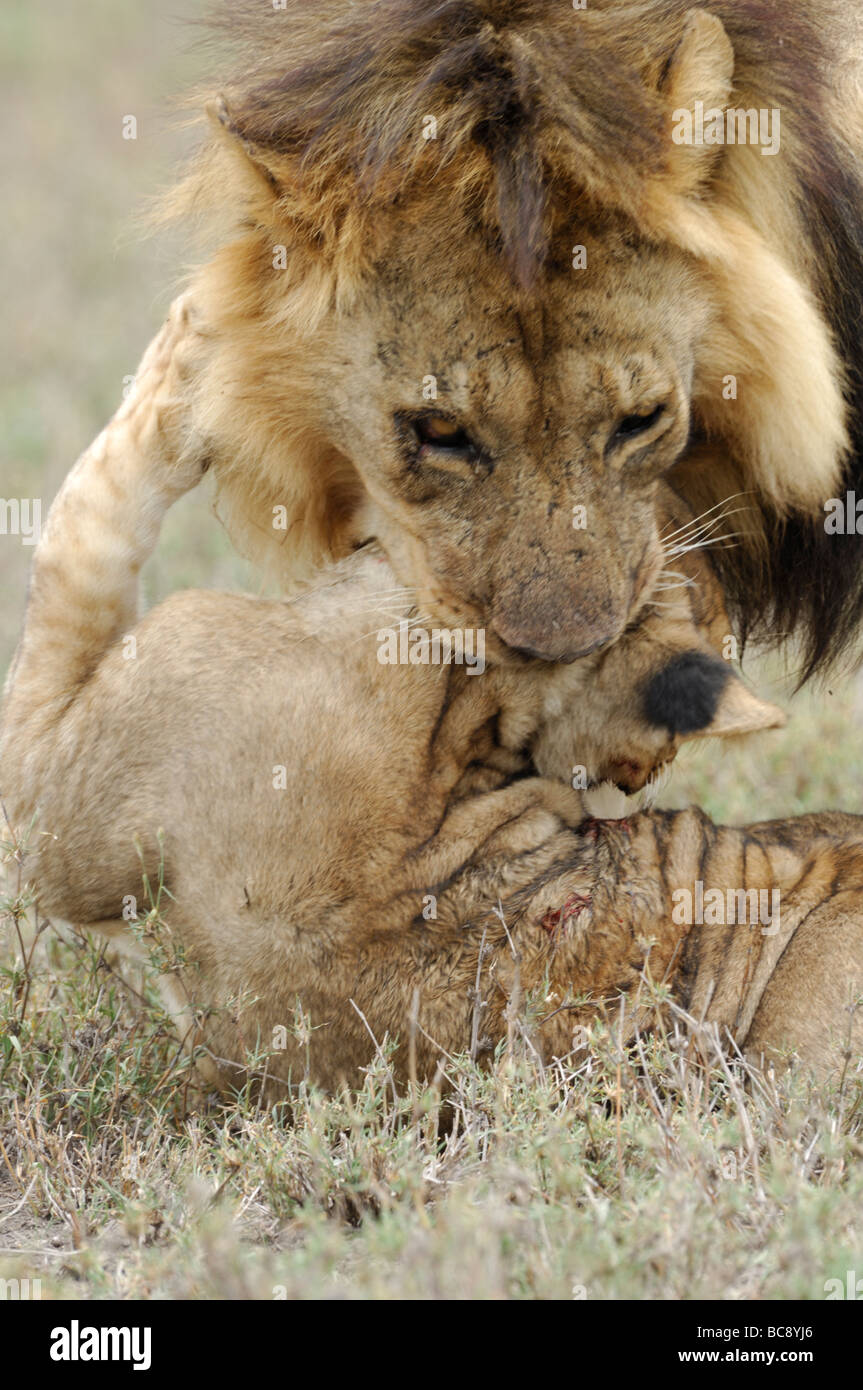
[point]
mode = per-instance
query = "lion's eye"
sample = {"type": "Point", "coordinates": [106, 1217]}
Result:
{"type": "Point", "coordinates": [438, 433]}
{"type": "Point", "coordinates": [633, 425]}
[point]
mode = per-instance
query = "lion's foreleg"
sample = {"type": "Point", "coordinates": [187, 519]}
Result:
{"type": "Point", "coordinates": [511, 820]}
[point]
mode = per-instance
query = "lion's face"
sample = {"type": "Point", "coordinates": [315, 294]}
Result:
{"type": "Point", "coordinates": [393, 159]}
{"type": "Point", "coordinates": [510, 446]}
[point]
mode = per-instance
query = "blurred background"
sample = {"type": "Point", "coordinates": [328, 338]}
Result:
{"type": "Point", "coordinates": [84, 290]}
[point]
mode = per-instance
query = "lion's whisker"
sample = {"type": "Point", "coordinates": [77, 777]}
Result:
{"type": "Point", "coordinates": [706, 543]}
{"type": "Point", "coordinates": [709, 529]}
{"type": "Point", "coordinates": [700, 518]}
{"type": "Point", "coordinates": [706, 528]}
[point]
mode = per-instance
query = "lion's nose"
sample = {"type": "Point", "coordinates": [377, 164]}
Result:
{"type": "Point", "coordinates": [560, 612]}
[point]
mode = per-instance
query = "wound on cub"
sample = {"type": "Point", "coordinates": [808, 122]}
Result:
{"type": "Point", "coordinates": [683, 696]}
{"type": "Point", "coordinates": [557, 918]}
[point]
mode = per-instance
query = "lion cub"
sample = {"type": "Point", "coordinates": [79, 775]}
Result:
{"type": "Point", "coordinates": [366, 846]}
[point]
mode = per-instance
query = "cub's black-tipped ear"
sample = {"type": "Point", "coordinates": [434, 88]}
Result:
{"type": "Point", "coordinates": [740, 712]}
{"type": "Point", "coordinates": [698, 696]}
{"type": "Point", "coordinates": [683, 696]}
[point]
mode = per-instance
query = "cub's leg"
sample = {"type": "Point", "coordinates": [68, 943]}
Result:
{"type": "Point", "coordinates": [102, 527]}
{"type": "Point", "coordinates": [64, 731]}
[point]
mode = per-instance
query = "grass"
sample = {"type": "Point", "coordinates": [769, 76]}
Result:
{"type": "Point", "coordinates": [656, 1171]}
{"type": "Point", "coordinates": [660, 1170]}
{"type": "Point", "coordinates": [662, 1173]}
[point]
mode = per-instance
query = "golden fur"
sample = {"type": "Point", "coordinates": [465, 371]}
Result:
{"type": "Point", "coordinates": [304, 804]}
{"type": "Point", "coordinates": [360, 265]}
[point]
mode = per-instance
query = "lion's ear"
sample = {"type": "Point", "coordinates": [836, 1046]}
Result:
{"type": "Point", "coordinates": [701, 69]}
{"type": "Point", "coordinates": [248, 157]}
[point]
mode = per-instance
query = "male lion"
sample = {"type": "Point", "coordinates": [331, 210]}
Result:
{"type": "Point", "coordinates": [482, 279]}
{"type": "Point", "coordinates": [364, 846]}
